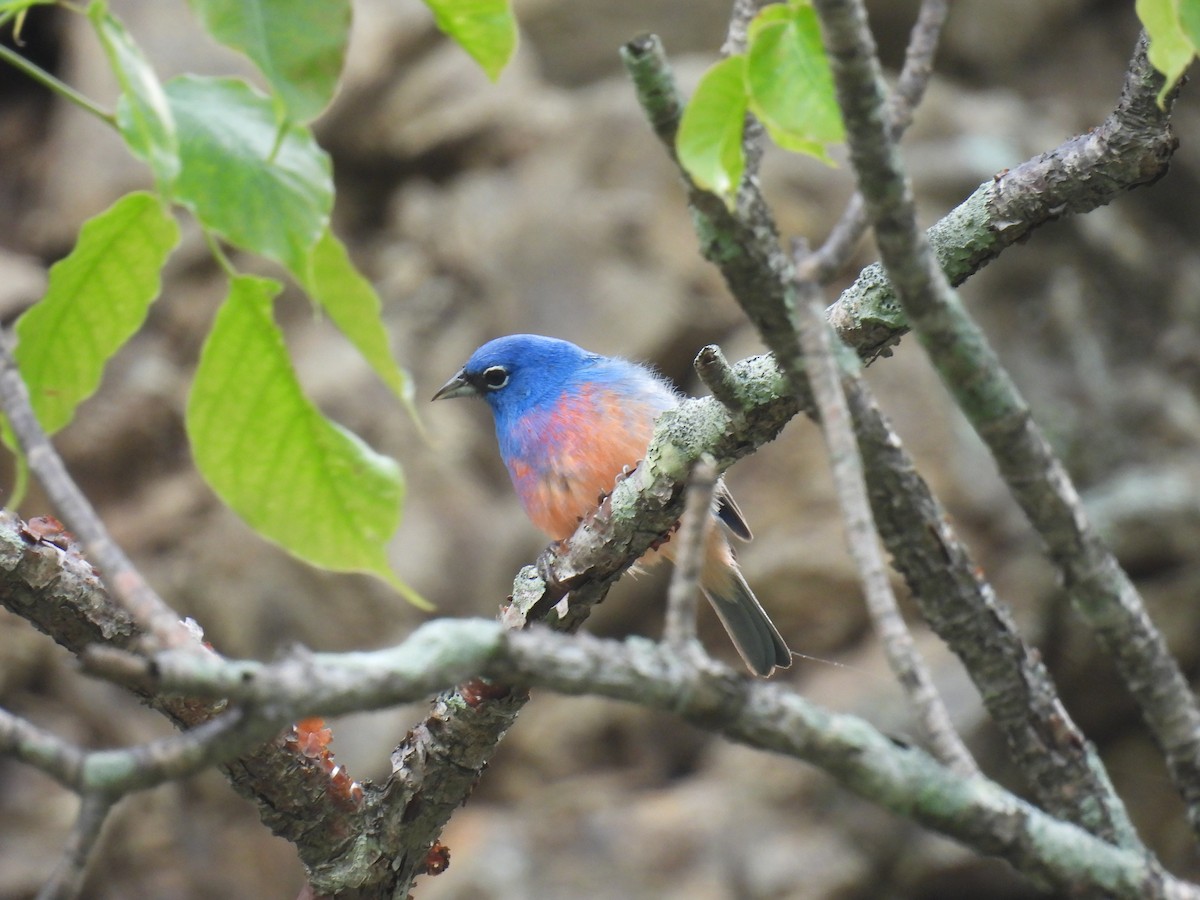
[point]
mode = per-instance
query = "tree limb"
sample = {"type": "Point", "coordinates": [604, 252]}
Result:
{"type": "Point", "coordinates": [1097, 585]}
{"type": "Point", "coordinates": [956, 601]}
{"type": "Point", "coordinates": [762, 714]}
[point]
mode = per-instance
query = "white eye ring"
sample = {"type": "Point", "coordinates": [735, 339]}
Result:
{"type": "Point", "coordinates": [495, 377]}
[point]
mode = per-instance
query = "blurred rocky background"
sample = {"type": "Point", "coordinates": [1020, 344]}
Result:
{"type": "Point", "coordinates": [543, 203]}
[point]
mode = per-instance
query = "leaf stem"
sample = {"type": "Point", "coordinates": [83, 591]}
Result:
{"type": "Point", "coordinates": [219, 255]}
{"type": "Point", "coordinates": [64, 90]}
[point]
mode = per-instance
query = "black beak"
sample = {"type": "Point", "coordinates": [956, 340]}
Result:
{"type": "Point", "coordinates": [458, 386]}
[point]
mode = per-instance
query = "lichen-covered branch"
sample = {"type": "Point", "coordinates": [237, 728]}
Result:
{"type": "Point", "coordinates": [824, 263]}
{"type": "Point", "coordinates": [956, 602]}
{"type": "Point", "coordinates": [761, 714]}
{"type": "Point", "coordinates": [60, 594]}
{"type": "Point", "coordinates": [1097, 585]}
{"type": "Point", "coordinates": [1130, 148]}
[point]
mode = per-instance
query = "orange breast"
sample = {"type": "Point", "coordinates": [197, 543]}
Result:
{"type": "Point", "coordinates": [576, 453]}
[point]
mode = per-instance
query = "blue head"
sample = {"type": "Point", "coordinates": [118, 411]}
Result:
{"type": "Point", "coordinates": [517, 373]}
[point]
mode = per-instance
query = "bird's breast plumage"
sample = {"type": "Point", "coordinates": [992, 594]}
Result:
{"type": "Point", "coordinates": [562, 454]}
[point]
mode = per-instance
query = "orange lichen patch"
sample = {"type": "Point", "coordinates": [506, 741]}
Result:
{"type": "Point", "coordinates": [476, 691]}
{"type": "Point", "coordinates": [437, 860]}
{"type": "Point", "coordinates": [47, 530]}
{"type": "Point", "coordinates": [310, 738]}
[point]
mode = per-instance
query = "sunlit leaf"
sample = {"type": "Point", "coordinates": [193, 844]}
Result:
{"type": "Point", "coordinates": [789, 82]}
{"type": "Point", "coordinates": [97, 297]}
{"type": "Point", "coordinates": [486, 29]}
{"type": "Point", "coordinates": [298, 45]}
{"type": "Point", "coordinates": [297, 478]}
{"type": "Point", "coordinates": [709, 141]}
{"type": "Point", "coordinates": [273, 200]}
{"type": "Point", "coordinates": [332, 280]}
{"type": "Point", "coordinates": [1171, 48]}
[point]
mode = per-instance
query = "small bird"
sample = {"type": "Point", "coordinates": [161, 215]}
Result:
{"type": "Point", "coordinates": [569, 422]}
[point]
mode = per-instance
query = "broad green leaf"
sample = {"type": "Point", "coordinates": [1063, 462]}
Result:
{"type": "Point", "coordinates": [143, 115]}
{"type": "Point", "coordinates": [789, 82]}
{"type": "Point", "coordinates": [332, 280]}
{"type": "Point", "coordinates": [295, 477]}
{"type": "Point", "coordinates": [97, 297]}
{"type": "Point", "coordinates": [486, 29]}
{"type": "Point", "coordinates": [298, 45]}
{"type": "Point", "coordinates": [709, 141]}
{"type": "Point", "coordinates": [276, 204]}
{"type": "Point", "coordinates": [1171, 50]}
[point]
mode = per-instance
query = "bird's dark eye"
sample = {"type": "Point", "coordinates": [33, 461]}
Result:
{"type": "Point", "coordinates": [495, 377]}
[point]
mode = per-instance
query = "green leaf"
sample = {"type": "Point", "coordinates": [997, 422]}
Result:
{"type": "Point", "coordinates": [486, 29]}
{"type": "Point", "coordinates": [332, 280]}
{"type": "Point", "coordinates": [143, 115]}
{"type": "Point", "coordinates": [789, 82]}
{"type": "Point", "coordinates": [97, 297]}
{"type": "Point", "coordinates": [298, 45]}
{"type": "Point", "coordinates": [273, 203]}
{"type": "Point", "coordinates": [1189, 18]}
{"type": "Point", "coordinates": [1171, 49]}
{"type": "Point", "coordinates": [709, 141]}
{"type": "Point", "coordinates": [296, 478]}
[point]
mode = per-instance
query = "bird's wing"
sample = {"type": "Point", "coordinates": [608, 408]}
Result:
{"type": "Point", "coordinates": [728, 512]}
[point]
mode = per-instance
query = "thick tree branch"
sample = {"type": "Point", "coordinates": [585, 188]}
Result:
{"type": "Point", "coordinates": [60, 594]}
{"type": "Point", "coordinates": [1094, 580]}
{"type": "Point", "coordinates": [955, 600]}
{"type": "Point", "coordinates": [761, 714]}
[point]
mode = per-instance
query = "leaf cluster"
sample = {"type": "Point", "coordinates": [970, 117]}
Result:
{"type": "Point", "coordinates": [245, 164]}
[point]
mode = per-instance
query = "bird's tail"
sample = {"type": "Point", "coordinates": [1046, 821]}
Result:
{"type": "Point", "coordinates": [753, 633]}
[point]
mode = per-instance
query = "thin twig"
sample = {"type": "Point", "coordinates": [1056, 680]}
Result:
{"type": "Point", "coordinates": [67, 879]}
{"type": "Point", "coordinates": [117, 772]}
{"type": "Point", "coordinates": [1100, 589]}
{"type": "Point", "coordinates": [149, 610]}
{"type": "Point", "coordinates": [47, 752]}
{"type": "Point", "coordinates": [691, 542]}
{"type": "Point", "coordinates": [739, 21]}
{"type": "Point", "coordinates": [714, 370]}
{"type": "Point", "coordinates": [824, 264]}
{"type": "Point", "coordinates": [847, 470]}
{"type": "Point", "coordinates": [64, 90]}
